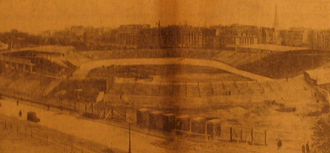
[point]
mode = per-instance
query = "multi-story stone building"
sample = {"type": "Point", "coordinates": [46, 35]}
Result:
{"type": "Point", "coordinates": [182, 36]}
{"type": "Point", "coordinates": [267, 35]}
{"type": "Point", "coordinates": [208, 37]}
{"type": "Point", "coordinates": [298, 37]}
{"type": "Point", "coordinates": [235, 35]}
{"type": "Point", "coordinates": [150, 38]}
{"type": "Point", "coordinates": [129, 35]}
{"type": "Point", "coordinates": [321, 40]}
{"type": "Point", "coordinates": [185, 36]}
{"type": "Point", "coordinates": [177, 36]}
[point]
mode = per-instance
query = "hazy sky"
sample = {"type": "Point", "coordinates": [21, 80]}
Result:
{"type": "Point", "coordinates": [39, 15]}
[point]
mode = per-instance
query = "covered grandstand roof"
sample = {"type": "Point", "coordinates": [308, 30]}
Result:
{"type": "Point", "coordinates": [3, 46]}
{"type": "Point", "coordinates": [274, 48]}
{"type": "Point", "coordinates": [320, 75]}
{"type": "Point", "coordinates": [45, 49]}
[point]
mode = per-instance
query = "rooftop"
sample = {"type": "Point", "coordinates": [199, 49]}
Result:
{"type": "Point", "coordinates": [45, 49]}
{"type": "Point", "coordinates": [275, 48]}
{"type": "Point", "coordinates": [320, 75]}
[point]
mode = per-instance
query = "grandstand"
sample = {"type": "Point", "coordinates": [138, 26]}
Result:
{"type": "Point", "coordinates": [46, 60]}
{"type": "Point", "coordinates": [152, 70]}
{"type": "Point", "coordinates": [43, 66]}
{"type": "Point", "coordinates": [236, 59]}
{"type": "Point", "coordinates": [26, 84]}
{"type": "Point", "coordinates": [287, 64]}
{"type": "Point", "coordinates": [43, 51]}
{"type": "Point", "coordinates": [150, 53]}
{"type": "Point", "coordinates": [190, 89]}
{"type": "Point", "coordinates": [88, 89]}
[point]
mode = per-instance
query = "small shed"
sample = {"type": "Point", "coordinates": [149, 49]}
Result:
{"type": "Point", "coordinates": [168, 122]}
{"type": "Point", "coordinates": [156, 120]}
{"type": "Point", "coordinates": [143, 117]}
{"type": "Point", "coordinates": [198, 125]}
{"type": "Point", "coordinates": [183, 123]}
{"type": "Point", "coordinates": [213, 127]}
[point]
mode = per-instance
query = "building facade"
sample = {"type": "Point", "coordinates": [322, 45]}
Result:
{"type": "Point", "coordinates": [267, 35]}
{"type": "Point", "coordinates": [176, 36]}
{"type": "Point", "coordinates": [185, 36]}
{"type": "Point", "coordinates": [297, 37]}
{"type": "Point", "coordinates": [321, 40]}
{"type": "Point", "coordinates": [235, 35]}
{"type": "Point", "coordinates": [129, 35]}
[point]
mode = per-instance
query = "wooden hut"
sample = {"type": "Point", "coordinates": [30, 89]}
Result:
{"type": "Point", "coordinates": [198, 125]}
{"type": "Point", "coordinates": [183, 123]}
{"type": "Point", "coordinates": [213, 127]}
{"type": "Point", "coordinates": [168, 122]}
{"type": "Point", "coordinates": [156, 120]}
{"type": "Point", "coordinates": [143, 117]}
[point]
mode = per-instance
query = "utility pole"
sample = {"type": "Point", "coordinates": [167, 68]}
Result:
{"type": "Point", "coordinates": [313, 58]}
{"type": "Point", "coordinates": [129, 138]}
{"type": "Point", "coordinates": [61, 104]}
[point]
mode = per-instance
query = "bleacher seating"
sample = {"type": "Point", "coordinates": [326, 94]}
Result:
{"type": "Point", "coordinates": [46, 67]}
{"type": "Point", "coordinates": [24, 83]}
{"type": "Point", "coordinates": [238, 58]}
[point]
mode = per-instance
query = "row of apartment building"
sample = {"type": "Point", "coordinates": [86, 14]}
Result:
{"type": "Point", "coordinates": [185, 36]}
{"type": "Point", "coordinates": [321, 40]}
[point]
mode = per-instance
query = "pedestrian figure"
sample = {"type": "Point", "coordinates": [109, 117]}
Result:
{"type": "Point", "coordinates": [17, 102]}
{"type": "Point", "coordinates": [303, 149]}
{"type": "Point", "coordinates": [20, 113]}
{"type": "Point", "coordinates": [307, 148]}
{"type": "Point", "coordinates": [279, 144]}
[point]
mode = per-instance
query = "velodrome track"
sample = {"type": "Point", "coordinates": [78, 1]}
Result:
{"type": "Point", "coordinates": [84, 68]}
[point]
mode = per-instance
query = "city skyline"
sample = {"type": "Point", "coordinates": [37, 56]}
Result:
{"type": "Point", "coordinates": [35, 16]}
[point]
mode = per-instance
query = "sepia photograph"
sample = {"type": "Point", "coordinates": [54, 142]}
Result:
{"type": "Point", "coordinates": [164, 76]}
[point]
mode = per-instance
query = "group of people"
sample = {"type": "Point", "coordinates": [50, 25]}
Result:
{"type": "Point", "coordinates": [305, 148]}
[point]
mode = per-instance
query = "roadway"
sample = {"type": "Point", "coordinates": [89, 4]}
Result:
{"type": "Point", "coordinates": [111, 136]}
{"type": "Point", "coordinates": [84, 68]}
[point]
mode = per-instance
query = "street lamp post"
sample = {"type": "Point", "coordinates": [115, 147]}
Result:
{"type": "Point", "coordinates": [129, 130]}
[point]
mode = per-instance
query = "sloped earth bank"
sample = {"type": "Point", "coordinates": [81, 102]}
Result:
{"type": "Point", "coordinates": [294, 129]}
{"type": "Point", "coordinates": [15, 140]}
{"type": "Point", "coordinates": [321, 132]}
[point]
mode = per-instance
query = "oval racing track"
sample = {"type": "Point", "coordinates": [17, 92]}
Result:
{"type": "Point", "coordinates": [84, 68]}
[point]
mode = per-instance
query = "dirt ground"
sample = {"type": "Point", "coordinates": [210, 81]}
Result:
{"type": "Point", "coordinates": [13, 143]}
